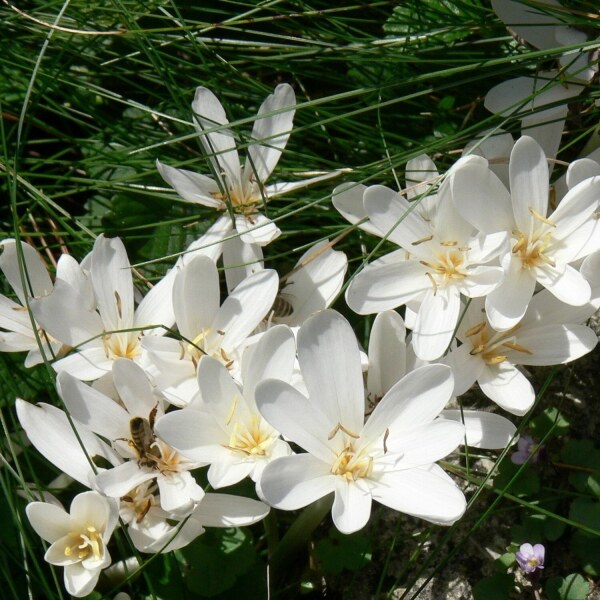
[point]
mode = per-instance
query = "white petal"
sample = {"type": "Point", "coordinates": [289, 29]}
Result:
{"type": "Point", "coordinates": [91, 508]}
{"type": "Point", "coordinates": [382, 286]}
{"type": "Point", "coordinates": [113, 285]}
{"type": "Point", "coordinates": [507, 387]}
{"type": "Point", "coordinates": [95, 410]}
{"type": "Point", "coordinates": [133, 387]}
{"type": "Point", "coordinates": [228, 472]}
{"type": "Point", "coordinates": [273, 356]}
{"type": "Point", "coordinates": [481, 281]}
{"type": "Point", "coordinates": [246, 307]}
{"type": "Point", "coordinates": [426, 444]}
{"type": "Point", "coordinates": [48, 521]}
{"type": "Point", "coordinates": [270, 132]}
{"type": "Point", "coordinates": [506, 304]}
{"type": "Point", "coordinates": [422, 493]}
{"type": "Point", "coordinates": [347, 198]}
{"type": "Point", "coordinates": [178, 491]}
{"type": "Point", "coordinates": [484, 429]}
{"type": "Point", "coordinates": [351, 506]}
{"type": "Point", "coordinates": [218, 145]}
{"type": "Point", "coordinates": [65, 316]}
{"type": "Point", "coordinates": [218, 392]}
{"type": "Point", "coordinates": [34, 270]}
{"type": "Point", "coordinates": [122, 479]}
{"type": "Point", "coordinates": [314, 282]}
{"type": "Point", "coordinates": [209, 243]}
{"type": "Point", "coordinates": [330, 364]}
{"type": "Point", "coordinates": [293, 415]}
{"type": "Point", "coordinates": [387, 353]}
{"type": "Point", "coordinates": [436, 323]}
{"type": "Point", "coordinates": [196, 296]}
{"type": "Point", "coordinates": [528, 181]}
{"type": "Point", "coordinates": [580, 170]}
{"type": "Point", "coordinates": [192, 187]}
{"type": "Point", "coordinates": [256, 229]}
{"type": "Point", "coordinates": [52, 436]}
{"type": "Point", "coordinates": [535, 26]}
{"type": "Point", "coordinates": [240, 260]}
{"type": "Point", "coordinates": [553, 344]}
{"type": "Point", "coordinates": [87, 365]}
{"type": "Point", "coordinates": [156, 308]}
{"type": "Point", "coordinates": [295, 481]}
{"type": "Point", "coordinates": [225, 510]}
{"type": "Point", "coordinates": [278, 189]}
{"type": "Point", "coordinates": [568, 285]}
{"type": "Point", "coordinates": [396, 218]}
{"type": "Point", "coordinates": [495, 145]}
{"type": "Point", "coordinates": [465, 367]}
{"type": "Point", "coordinates": [482, 198]}
{"type": "Point", "coordinates": [415, 400]}
{"type": "Point", "coordinates": [79, 581]}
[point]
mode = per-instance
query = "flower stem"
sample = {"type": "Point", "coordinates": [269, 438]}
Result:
{"type": "Point", "coordinates": [298, 536]}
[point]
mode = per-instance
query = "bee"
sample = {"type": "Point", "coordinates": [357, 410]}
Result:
{"type": "Point", "coordinates": [143, 439]}
{"type": "Point", "coordinates": [282, 307]}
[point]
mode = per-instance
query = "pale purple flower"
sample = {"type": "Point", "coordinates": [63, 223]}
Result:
{"type": "Point", "coordinates": [531, 558]}
{"type": "Point", "coordinates": [528, 451]}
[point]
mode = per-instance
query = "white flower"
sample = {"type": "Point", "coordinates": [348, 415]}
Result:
{"type": "Point", "coordinates": [441, 259]}
{"type": "Point", "coordinates": [312, 285]}
{"type": "Point", "coordinates": [391, 358]}
{"type": "Point", "coordinates": [129, 427]}
{"type": "Point", "coordinates": [113, 330]}
{"type": "Point", "coordinates": [159, 531]}
{"type": "Point", "coordinates": [489, 356]}
{"type": "Point", "coordinates": [389, 459]}
{"type": "Point", "coordinates": [17, 333]}
{"type": "Point", "coordinates": [52, 434]}
{"type": "Point", "coordinates": [541, 246]}
{"type": "Point", "coordinates": [242, 190]}
{"type": "Point", "coordinates": [207, 328]}
{"type": "Point", "coordinates": [222, 426]}
{"type": "Point", "coordinates": [78, 539]}
{"type": "Point", "coordinates": [541, 24]}
{"type": "Point", "coordinates": [540, 102]}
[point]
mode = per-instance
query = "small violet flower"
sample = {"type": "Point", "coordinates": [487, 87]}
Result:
{"type": "Point", "coordinates": [528, 451]}
{"type": "Point", "coordinates": [531, 558]}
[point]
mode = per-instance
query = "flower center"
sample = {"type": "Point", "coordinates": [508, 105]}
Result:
{"type": "Point", "coordinates": [447, 266]}
{"type": "Point", "coordinates": [532, 248]}
{"type": "Point", "coordinates": [203, 345]}
{"type": "Point", "coordinates": [352, 465]}
{"type": "Point", "coordinates": [491, 345]}
{"type": "Point", "coordinates": [139, 501]}
{"type": "Point", "coordinates": [252, 437]}
{"type": "Point", "coordinates": [119, 345]}
{"type": "Point", "coordinates": [86, 544]}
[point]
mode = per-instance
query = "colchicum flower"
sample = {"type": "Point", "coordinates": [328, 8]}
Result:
{"type": "Point", "coordinates": [17, 334]}
{"type": "Point", "coordinates": [111, 328]}
{"type": "Point", "coordinates": [242, 190]}
{"type": "Point", "coordinates": [129, 426]}
{"type": "Point", "coordinates": [531, 558]}
{"type": "Point", "coordinates": [489, 356]}
{"type": "Point", "coordinates": [390, 459]}
{"type": "Point", "coordinates": [207, 328]}
{"type": "Point", "coordinates": [542, 246]}
{"type": "Point", "coordinates": [222, 425]}
{"type": "Point", "coordinates": [442, 258]}
{"type": "Point", "coordinates": [78, 539]}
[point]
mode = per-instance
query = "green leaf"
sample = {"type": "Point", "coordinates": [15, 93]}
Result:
{"type": "Point", "coordinates": [550, 420]}
{"type": "Point", "coordinates": [583, 453]}
{"type": "Point", "coordinates": [571, 587]}
{"type": "Point", "coordinates": [505, 561]}
{"type": "Point", "coordinates": [216, 559]}
{"type": "Point", "coordinates": [586, 512]}
{"type": "Point", "coordinates": [495, 587]}
{"type": "Point", "coordinates": [339, 552]}
{"type": "Point", "coordinates": [586, 548]}
{"type": "Point", "coordinates": [527, 483]}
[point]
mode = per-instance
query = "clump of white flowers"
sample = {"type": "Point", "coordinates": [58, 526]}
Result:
{"type": "Point", "coordinates": [268, 382]}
